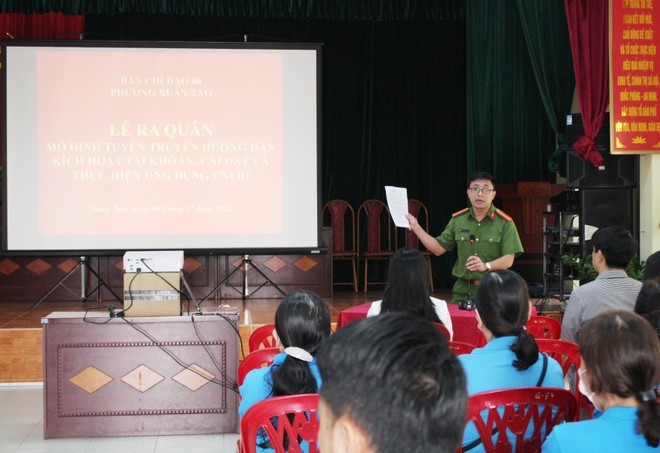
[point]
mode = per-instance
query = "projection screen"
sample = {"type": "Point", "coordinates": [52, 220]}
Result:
{"type": "Point", "coordinates": [114, 146]}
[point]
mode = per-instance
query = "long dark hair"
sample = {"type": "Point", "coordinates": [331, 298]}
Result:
{"type": "Point", "coordinates": [302, 320]}
{"type": "Point", "coordinates": [622, 355]}
{"type": "Point", "coordinates": [408, 285]}
{"type": "Point", "coordinates": [503, 305]}
{"type": "Point", "coordinates": [648, 303]}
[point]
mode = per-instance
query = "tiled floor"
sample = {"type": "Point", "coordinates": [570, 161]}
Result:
{"type": "Point", "coordinates": [22, 427]}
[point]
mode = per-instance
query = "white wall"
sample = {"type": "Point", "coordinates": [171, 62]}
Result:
{"type": "Point", "coordinates": [649, 204]}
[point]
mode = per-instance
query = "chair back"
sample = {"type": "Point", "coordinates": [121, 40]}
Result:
{"type": "Point", "coordinates": [282, 420]}
{"type": "Point", "coordinates": [375, 225]}
{"type": "Point", "coordinates": [509, 414]}
{"type": "Point", "coordinates": [567, 354]}
{"type": "Point", "coordinates": [543, 327]}
{"type": "Point", "coordinates": [339, 215]}
{"type": "Point", "coordinates": [460, 347]}
{"type": "Point", "coordinates": [421, 213]}
{"type": "Point", "coordinates": [374, 231]}
{"type": "Point", "coordinates": [443, 329]}
{"type": "Point", "coordinates": [262, 337]}
{"type": "Point", "coordinates": [410, 239]}
{"type": "Point", "coordinates": [257, 359]}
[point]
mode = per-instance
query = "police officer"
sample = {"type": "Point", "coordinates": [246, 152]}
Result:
{"type": "Point", "coordinates": [485, 237]}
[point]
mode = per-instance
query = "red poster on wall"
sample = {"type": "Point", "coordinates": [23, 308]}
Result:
{"type": "Point", "coordinates": [634, 77]}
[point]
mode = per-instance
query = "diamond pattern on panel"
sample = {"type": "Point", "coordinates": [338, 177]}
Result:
{"type": "Point", "coordinates": [238, 263]}
{"type": "Point", "coordinates": [66, 266]}
{"type": "Point", "coordinates": [120, 265]}
{"type": "Point", "coordinates": [194, 377]}
{"type": "Point", "coordinates": [191, 265]}
{"type": "Point", "coordinates": [8, 267]}
{"type": "Point", "coordinates": [305, 263]}
{"type": "Point", "coordinates": [142, 378]}
{"type": "Point", "coordinates": [275, 263]}
{"type": "Point", "coordinates": [38, 266]}
{"type": "Point", "coordinates": [90, 379]}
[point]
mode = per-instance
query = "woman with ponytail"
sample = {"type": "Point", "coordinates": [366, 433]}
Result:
{"type": "Point", "coordinates": [302, 322]}
{"type": "Point", "coordinates": [511, 359]}
{"type": "Point", "coordinates": [619, 373]}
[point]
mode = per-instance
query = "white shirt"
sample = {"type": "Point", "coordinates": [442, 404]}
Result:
{"type": "Point", "coordinates": [440, 309]}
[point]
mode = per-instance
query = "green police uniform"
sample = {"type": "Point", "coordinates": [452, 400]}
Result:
{"type": "Point", "coordinates": [495, 236]}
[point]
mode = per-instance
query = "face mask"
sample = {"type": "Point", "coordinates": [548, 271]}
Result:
{"type": "Point", "coordinates": [583, 389]}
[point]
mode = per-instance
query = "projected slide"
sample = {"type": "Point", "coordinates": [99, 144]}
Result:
{"type": "Point", "coordinates": [118, 148]}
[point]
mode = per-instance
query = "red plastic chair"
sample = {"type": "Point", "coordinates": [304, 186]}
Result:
{"type": "Point", "coordinates": [262, 337]}
{"type": "Point", "coordinates": [510, 412]}
{"type": "Point", "coordinates": [543, 327]}
{"type": "Point", "coordinates": [567, 354]}
{"type": "Point", "coordinates": [460, 347]}
{"type": "Point", "coordinates": [375, 225]}
{"type": "Point", "coordinates": [256, 359]}
{"type": "Point", "coordinates": [281, 418]}
{"type": "Point", "coordinates": [341, 217]}
{"type": "Point", "coordinates": [442, 328]}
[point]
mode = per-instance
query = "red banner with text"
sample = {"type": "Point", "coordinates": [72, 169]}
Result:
{"type": "Point", "coordinates": [634, 77]}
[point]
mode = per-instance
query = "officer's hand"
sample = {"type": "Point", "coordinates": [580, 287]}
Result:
{"type": "Point", "coordinates": [412, 220]}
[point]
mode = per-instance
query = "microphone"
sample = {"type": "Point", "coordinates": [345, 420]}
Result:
{"type": "Point", "coordinates": [468, 304]}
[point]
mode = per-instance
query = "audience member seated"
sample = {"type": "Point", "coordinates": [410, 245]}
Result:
{"type": "Point", "coordinates": [648, 303]}
{"type": "Point", "coordinates": [619, 373]}
{"type": "Point", "coordinates": [407, 289]}
{"type": "Point", "coordinates": [390, 384]}
{"type": "Point", "coordinates": [511, 357]}
{"type": "Point", "coordinates": [613, 248]}
{"type": "Point", "coordinates": [652, 266]}
{"type": "Point", "coordinates": [302, 322]}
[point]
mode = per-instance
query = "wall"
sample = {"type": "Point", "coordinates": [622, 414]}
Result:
{"type": "Point", "coordinates": [649, 205]}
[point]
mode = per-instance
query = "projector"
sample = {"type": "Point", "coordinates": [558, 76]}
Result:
{"type": "Point", "coordinates": [156, 261]}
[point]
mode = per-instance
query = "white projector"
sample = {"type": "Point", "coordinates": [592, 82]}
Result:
{"type": "Point", "coordinates": [156, 261]}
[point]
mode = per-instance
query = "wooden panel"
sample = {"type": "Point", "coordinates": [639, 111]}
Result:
{"type": "Point", "coordinates": [287, 272]}
{"type": "Point", "coordinates": [21, 355]}
{"type": "Point", "coordinates": [121, 377]}
{"type": "Point", "coordinates": [525, 202]}
{"type": "Point", "coordinates": [31, 278]}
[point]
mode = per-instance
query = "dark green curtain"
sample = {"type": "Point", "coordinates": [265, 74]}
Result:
{"type": "Point", "coordinates": [508, 131]}
{"type": "Point", "coordinates": [381, 10]}
{"type": "Point", "coordinates": [546, 35]}
{"type": "Point", "coordinates": [393, 101]}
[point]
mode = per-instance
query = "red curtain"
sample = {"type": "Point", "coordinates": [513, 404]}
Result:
{"type": "Point", "coordinates": [588, 34]}
{"type": "Point", "coordinates": [41, 26]}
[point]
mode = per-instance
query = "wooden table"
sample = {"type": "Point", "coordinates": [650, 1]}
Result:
{"type": "Point", "coordinates": [139, 376]}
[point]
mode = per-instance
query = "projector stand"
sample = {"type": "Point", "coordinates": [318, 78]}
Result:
{"type": "Point", "coordinates": [84, 267]}
{"type": "Point", "coordinates": [246, 290]}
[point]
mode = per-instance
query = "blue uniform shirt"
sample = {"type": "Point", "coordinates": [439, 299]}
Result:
{"type": "Point", "coordinates": [613, 431]}
{"type": "Point", "coordinates": [491, 368]}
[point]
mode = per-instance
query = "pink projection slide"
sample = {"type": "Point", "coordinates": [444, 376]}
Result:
{"type": "Point", "coordinates": [138, 144]}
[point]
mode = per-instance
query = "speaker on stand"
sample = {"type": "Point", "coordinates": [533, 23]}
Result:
{"type": "Point", "coordinates": [608, 194]}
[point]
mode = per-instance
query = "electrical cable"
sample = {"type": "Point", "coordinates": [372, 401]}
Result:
{"type": "Point", "coordinates": [233, 386]}
{"type": "Point", "coordinates": [217, 366]}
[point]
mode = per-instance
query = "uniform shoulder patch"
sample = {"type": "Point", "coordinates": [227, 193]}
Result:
{"type": "Point", "coordinates": [504, 215]}
{"type": "Point", "coordinates": [461, 212]}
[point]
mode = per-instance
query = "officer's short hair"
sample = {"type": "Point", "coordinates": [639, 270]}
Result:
{"type": "Point", "coordinates": [481, 175]}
